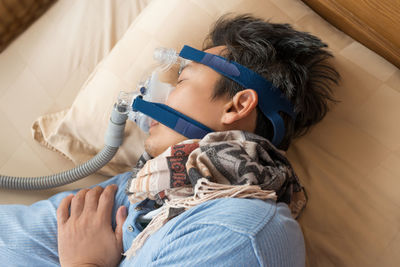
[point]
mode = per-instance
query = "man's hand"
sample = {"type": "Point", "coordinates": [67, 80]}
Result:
{"type": "Point", "coordinates": [85, 234]}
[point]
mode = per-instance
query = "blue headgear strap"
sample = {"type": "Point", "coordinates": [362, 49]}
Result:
{"type": "Point", "coordinates": [171, 118]}
{"type": "Point", "coordinates": [270, 99]}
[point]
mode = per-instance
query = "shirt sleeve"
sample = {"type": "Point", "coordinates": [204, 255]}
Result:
{"type": "Point", "coordinates": [206, 245]}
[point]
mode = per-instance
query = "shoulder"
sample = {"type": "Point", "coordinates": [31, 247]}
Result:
{"type": "Point", "coordinates": [246, 216]}
{"type": "Point", "coordinates": [263, 230]}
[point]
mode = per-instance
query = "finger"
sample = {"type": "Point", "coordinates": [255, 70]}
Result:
{"type": "Point", "coordinates": [120, 219]}
{"type": "Point", "coordinates": [92, 198]}
{"type": "Point", "coordinates": [63, 209]}
{"type": "Point", "coordinates": [106, 202]}
{"type": "Point", "coordinates": [78, 202]}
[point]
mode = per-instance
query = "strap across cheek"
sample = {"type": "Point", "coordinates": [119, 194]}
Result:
{"type": "Point", "coordinates": [171, 118]}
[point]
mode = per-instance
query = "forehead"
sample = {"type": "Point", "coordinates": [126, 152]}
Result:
{"type": "Point", "coordinates": [216, 50]}
{"type": "Point", "coordinates": [197, 72]}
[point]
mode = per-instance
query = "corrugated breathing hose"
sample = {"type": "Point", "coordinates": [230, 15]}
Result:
{"type": "Point", "coordinates": [113, 140]}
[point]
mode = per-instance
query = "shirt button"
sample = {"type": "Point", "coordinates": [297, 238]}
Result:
{"type": "Point", "coordinates": [130, 228]}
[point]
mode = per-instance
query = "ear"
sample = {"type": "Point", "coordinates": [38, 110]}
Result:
{"type": "Point", "coordinates": [240, 107]}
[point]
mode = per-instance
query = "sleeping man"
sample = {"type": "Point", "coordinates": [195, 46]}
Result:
{"type": "Point", "coordinates": [214, 187]}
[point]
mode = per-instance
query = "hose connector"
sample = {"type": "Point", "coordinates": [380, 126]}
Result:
{"type": "Point", "coordinates": [115, 131]}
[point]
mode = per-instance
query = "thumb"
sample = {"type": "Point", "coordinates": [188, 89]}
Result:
{"type": "Point", "coordinates": [120, 219]}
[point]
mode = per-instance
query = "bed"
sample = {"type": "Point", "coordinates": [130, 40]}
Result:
{"type": "Point", "coordinates": [62, 75]}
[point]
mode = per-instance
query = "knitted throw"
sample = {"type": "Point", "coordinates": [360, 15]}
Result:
{"type": "Point", "coordinates": [222, 164]}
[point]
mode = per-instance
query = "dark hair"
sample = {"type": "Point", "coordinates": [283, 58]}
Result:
{"type": "Point", "coordinates": [294, 61]}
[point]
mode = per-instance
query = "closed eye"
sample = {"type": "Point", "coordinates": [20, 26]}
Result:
{"type": "Point", "coordinates": [180, 80]}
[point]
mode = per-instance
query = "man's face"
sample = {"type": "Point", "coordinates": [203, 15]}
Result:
{"type": "Point", "coordinates": [191, 97]}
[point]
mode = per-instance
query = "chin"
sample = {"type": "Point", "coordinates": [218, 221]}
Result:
{"type": "Point", "coordinates": [152, 147]}
{"type": "Point", "coordinates": [148, 147]}
{"type": "Point", "coordinates": [160, 139]}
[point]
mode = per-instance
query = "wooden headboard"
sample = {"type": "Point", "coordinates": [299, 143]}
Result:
{"type": "Point", "coordinates": [374, 23]}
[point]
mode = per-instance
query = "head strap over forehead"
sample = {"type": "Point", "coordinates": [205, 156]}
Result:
{"type": "Point", "coordinates": [270, 99]}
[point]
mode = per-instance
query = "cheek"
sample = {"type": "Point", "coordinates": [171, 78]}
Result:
{"type": "Point", "coordinates": [177, 97]}
{"type": "Point", "coordinates": [187, 101]}
{"type": "Point", "coordinates": [198, 107]}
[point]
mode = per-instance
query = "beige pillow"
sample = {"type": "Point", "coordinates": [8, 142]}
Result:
{"type": "Point", "coordinates": [349, 163]}
{"type": "Point", "coordinates": [16, 16]}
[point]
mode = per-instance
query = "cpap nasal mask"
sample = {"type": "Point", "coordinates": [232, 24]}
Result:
{"type": "Point", "coordinates": [148, 103]}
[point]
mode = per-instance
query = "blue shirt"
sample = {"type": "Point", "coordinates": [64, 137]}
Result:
{"type": "Point", "coordinates": [221, 232]}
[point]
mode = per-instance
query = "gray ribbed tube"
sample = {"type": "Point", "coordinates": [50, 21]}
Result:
{"type": "Point", "coordinates": [113, 140]}
{"type": "Point", "coordinates": [62, 178]}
